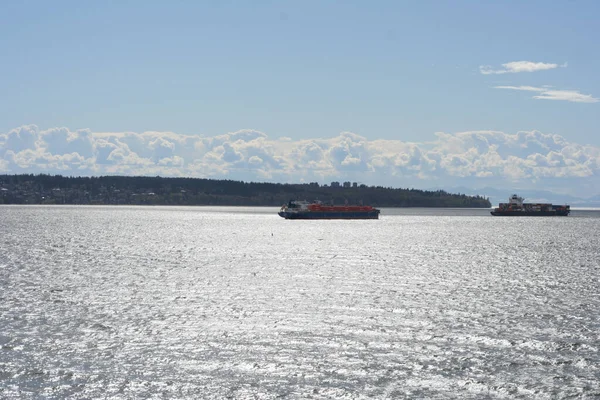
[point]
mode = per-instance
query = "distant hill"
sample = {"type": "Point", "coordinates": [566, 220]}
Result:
{"type": "Point", "coordinates": [57, 189]}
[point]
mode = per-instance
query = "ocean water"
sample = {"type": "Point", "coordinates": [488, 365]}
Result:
{"type": "Point", "coordinates": [214, 303]}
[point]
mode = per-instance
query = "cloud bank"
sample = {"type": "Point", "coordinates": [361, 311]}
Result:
{"type": "Point", "coordinates": [515, 67]}
{"type": "Point", "coordinates": [473, 159]}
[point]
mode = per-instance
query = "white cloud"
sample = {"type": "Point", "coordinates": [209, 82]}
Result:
{"type": "Point", "coordinates": [518, 66]}
{"type": "Point", "coordinates": [64, 141]}
{"type": "Point", "coordinates": [567, 95]}
{"type": "Point", "coordinates": [525, 88]}
{"type": "Point", "coordinates": [22, 138]}
{"type": "Point", "coordinates": [546, 93]}
{"type": "Point", "coordinates": [466, 158]}
{"type": "Point", "coordinates": [175, 161]}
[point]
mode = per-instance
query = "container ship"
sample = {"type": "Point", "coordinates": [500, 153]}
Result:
{"type": "Point", "coordinates": [517, 208]}
{"type": "Point", "coordinates": [317, 210]}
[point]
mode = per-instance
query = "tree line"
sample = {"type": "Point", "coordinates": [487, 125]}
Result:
{"type": "Point", "coordinates": [58, 189]}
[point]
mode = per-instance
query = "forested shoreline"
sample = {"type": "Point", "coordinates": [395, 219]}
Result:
{"type": "Point", "coordinates": [141, 190]}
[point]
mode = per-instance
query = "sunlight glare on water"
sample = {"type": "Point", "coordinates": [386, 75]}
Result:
{"type": "Point", "coordinates": [209, 302]}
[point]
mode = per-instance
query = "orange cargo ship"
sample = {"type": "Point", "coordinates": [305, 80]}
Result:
{"type": "Point", "coordinates": [317, 210]}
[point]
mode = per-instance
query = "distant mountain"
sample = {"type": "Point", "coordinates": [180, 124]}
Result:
{"type": "Point", "coordinates": [532, 196]}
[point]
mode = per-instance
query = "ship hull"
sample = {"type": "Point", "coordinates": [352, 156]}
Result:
{"type": "Point", "coordinates": [529, 213]}
{"type": "Point", "coordinates": [329, 215]}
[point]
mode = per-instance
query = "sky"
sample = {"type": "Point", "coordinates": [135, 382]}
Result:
{"type": "Point", "coordinates": [424, 94]}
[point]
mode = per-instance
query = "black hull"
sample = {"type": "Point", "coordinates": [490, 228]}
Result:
{"type": "Point", "coordinates": [529, 214]}
{"type": "Point", "coordinates": [329, 215]}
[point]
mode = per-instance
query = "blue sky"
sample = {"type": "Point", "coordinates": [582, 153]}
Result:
{"type": "Point", "coordinates": [386, 70]}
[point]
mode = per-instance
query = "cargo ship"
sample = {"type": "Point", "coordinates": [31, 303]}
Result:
{"type": "Point", "coordinates": [517, 208]}
{"type": "Point", "coordinates": [317, 210]}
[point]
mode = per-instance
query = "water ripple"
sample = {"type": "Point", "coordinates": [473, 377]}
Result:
{"type": "Point", "coordinates": [158, 302]}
